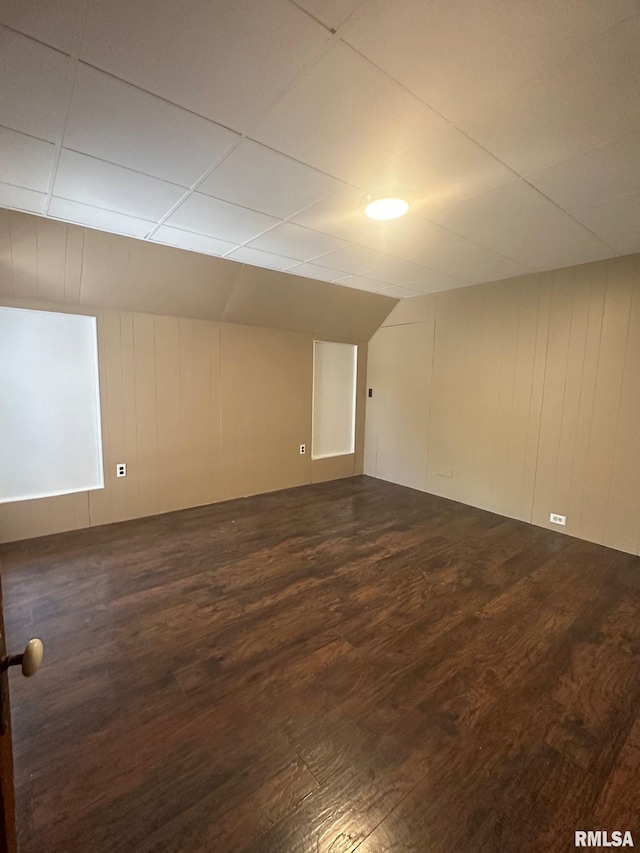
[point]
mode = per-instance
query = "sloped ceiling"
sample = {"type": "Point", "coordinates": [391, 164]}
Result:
{"type": "Point", "coordinates": [254, 129]}
{"type": "Point", "coordinates": [57, 263]}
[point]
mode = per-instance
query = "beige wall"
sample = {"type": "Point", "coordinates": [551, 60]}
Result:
{"type": "Point", "coordinates": [200, 411]}
{"type": "Point", "coordinates": [205, 368]}
{"type": "Point", "coordinates": [521, 397]}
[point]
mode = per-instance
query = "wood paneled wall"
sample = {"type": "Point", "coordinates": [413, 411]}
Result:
{"type": "Point", "coordinates": [200, 411]}
{"type": "Point", "coordinates": [521, 397]}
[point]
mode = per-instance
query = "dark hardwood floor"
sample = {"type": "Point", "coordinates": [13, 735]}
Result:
{"type": "Point", "coordinates": [351, 665]}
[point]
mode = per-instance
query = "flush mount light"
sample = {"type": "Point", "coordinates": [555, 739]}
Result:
{"type": "Point", "coordinates": [384, 207]}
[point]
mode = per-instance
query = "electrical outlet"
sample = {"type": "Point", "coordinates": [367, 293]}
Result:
{"type": "Point", "coordinates": [121, 469]}
{"type": "Point", "coordinates": [303, 449]}
{"type": "Point", "coordinates": [558, 519]}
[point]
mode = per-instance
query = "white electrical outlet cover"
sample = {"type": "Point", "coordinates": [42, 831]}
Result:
{"type": "Point", "coordinates": [554, 518]}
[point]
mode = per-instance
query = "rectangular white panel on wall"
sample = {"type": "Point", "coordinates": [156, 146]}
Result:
{"type": "Point", "coordinates": [334, 399]}
{"type": "Point", "coordinates": [50, 433]}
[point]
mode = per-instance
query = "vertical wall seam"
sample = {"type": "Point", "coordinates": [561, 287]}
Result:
{"type": "Point", "coordinates": [616, 430]}
{"type": "Point", "coordinates": [595, 390]}
{"type": "Point", "coordinates": [544, 382]}
{"type": "Point", "coordinates": [155, 413]}
{"type": "Point", "coordinates": [580, 395]}
{"type": "Point", "coordinates": [135, 410]}
{"type": "Point", "coordinates": [220, 397]}
{"type": "Point", "coordinates": [564, 391]}
{"type": "Point", "coordinates": [434, 320]}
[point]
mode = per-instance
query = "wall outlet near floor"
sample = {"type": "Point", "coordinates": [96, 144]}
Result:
{"type": "Point", "coordinates": [303, 449]}
{"type": "Point", "coordinates": [121, 469]}
{"type": "Point", "coordinates": [554, 518]}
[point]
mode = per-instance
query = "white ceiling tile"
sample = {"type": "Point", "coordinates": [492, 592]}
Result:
{"type": "Point", "coordinates": [455, 55]}
{"type": "Point", "coordinates": [612, 218]}
{"type": "Point", "coordinates": [264, 180]}
{"type": "Point", "coordinates": [354, 259]}
{"type": "Point", "coordinates": [94, 217]}
{"type": "Point", "coordinates": [51, 23]}
{"type": "Point", "coordinates": [447, 53]}
{"type": "Point", "coordinates": [293, 241]}
{"type": "Point", "coordinates": [359, 282]}
{"type": "Point", "coordinates": [36, 84]}
{"type": "Point", "coordinates": [443, 170]}
{"type": "Point", "coordinates": [397, 292]}
{"type": "Point", "coordinates": [340, 215]}
{"type": "Point", "coordinates": [20, 198]}
{"type": "Point", "coordinates": [219, 219]}
{"type": "Point", "coordinates": [588, 101]}
{"type": "Point", "coordinates": [225, 59]}
{"type": "Point", "coordinates": [503, 208]}
{"type": "Point", "coordinates": [593, 177]}
{"type": "Point", "coordinates": [332, 13]}
{"type": "Point", "coordinates": [25, 161]}
{"type": "Point", "coordinates": [398, 272]}
{"type": "Point", "coordinates": [497, 269]}
{"type": "Point", "coordinates": [99, 184]}
{"type": "Point", "coordinates": [413, 237]}
{"type": "Point", "coordinates": [314, 271]}
{"type": "Point", "coordinates": [545, 235]}
{"type": "Point", "coordinates": [256, 258]}
{"type": "Point", "coordinates": [473, 263]}
{"type": "Point", "coordinates": [435, 282]}
{"type": "Point", "coordinates": [342, 109]}
{"type": "Point", "coordinates": [119, 123]}
{"type": "Point", "coordinates": [190, 241]}
{"type": "Point", "coordinates": [626, 242]}
{"type": "Point", "coordinates": [589, 250]}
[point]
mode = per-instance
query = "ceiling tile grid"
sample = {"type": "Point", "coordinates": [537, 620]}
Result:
{"type": "Point", "coordinates": [35, 83]}
{"type": "Point", "coordinates": [353, 259]}
{"type": "Point", "coordinates": [20, 198]}
{"type": "Point", "coordinates": [582, 252]}
{"type": "Point", "coordinates": [319, 273]}
{"type": "Point", "coordinates": [524, 243]}
{"type": "Point", "coordinates": [220, 219]}
{"type": "Point", "coordinates": [171, 143]}
{"type": "Point", "coordinates": [301, 243]}
{"type": "Point", "coordinates": [255, 131]}
{"type": "Point", "coordinates": [331, 13]}
{"type": "Point", "coordinates": [456, 55]}
{"type": "Point", "coordinates": [24, 160]}
{"type": "Point", "coordinates": [588, 100]}
{"type": "Point", "coordinates": [53, 24]}
{"type": "Point", "coordinates": [96, 217]}
{"type": "Point", "coordinates": [261, 179]}
{"type": "Point", "coordinates": [192, 242]}
{"type": "Point", "coordinates": [256, 258]}
{"type": "Point", "coordinates": [226, 60]}
{"type": "Point", "coordinates": [599, 175]}
{"type": "Point", "coordinates": [100, 184]}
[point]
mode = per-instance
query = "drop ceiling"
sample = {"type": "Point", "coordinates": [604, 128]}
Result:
{"type": "Point", "coordinates": [254, 129]}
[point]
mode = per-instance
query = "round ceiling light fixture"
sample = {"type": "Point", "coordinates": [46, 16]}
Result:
{"type": "Point", "coordinates": [386, 206]}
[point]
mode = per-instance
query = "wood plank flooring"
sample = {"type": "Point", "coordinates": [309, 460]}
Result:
{"type": "Point", "coordinates": [345, 666]}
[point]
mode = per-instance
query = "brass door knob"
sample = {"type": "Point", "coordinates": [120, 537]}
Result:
{"type": "Point", "coordinates": [29, 660]}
